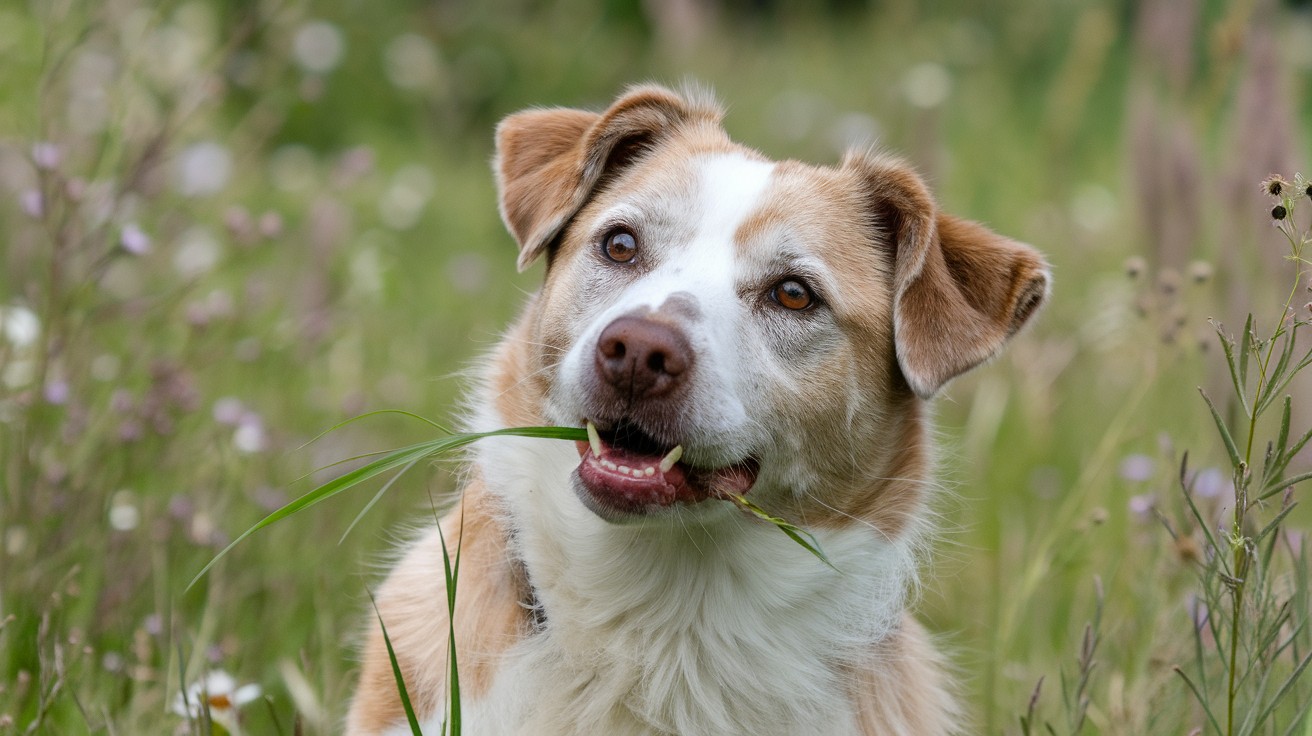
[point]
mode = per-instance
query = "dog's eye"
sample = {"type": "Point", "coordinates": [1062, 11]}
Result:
{"type": "Point", "coordinates": [792, 294]}
{"type": "Point", "coordinates": [620, 246]}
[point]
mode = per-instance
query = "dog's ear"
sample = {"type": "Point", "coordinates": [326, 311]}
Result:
{"type": "Point", "coordinates": [549, 162]}
{"type": "Point", "coordinates": [959, 289]}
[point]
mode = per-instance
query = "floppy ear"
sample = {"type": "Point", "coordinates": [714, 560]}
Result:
{"type": "Point", "coordinates": [959, 289]}
{"type": "Point", "coordinates": [549, 162]}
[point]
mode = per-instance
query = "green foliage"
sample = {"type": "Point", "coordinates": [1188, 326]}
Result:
{"type": "Point", "coordinates": [1256, 676]}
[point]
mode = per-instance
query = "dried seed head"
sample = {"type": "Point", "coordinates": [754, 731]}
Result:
{"type": "Point", "coordinates": [1168, 281]}
{"type": "Point", "coordinates": [1200, 272]}
{"type": "Point", "coordinates": [1279, 212]}
{"type": "Point", "coordinates": [1274, 185]}
{"type": "Point", "coordinates": [1135, 266]}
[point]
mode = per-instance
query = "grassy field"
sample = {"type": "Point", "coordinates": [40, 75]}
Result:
{"type": "Point", "coordinates": [227, 227]}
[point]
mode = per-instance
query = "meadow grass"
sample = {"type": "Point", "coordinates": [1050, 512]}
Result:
{"type": "Point", "coordinates": [228, 226]}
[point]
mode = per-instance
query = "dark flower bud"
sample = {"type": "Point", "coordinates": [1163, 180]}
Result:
{"type": "Point", "coordinates": [1278, 212]}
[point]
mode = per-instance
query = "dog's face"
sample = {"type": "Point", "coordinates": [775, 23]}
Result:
{"type": "Point", "coordinates": [724, 324]}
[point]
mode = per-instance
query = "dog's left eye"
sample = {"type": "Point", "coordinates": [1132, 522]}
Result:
{"type": "Point", "coordinates": [620, 246]}
{"type": "Point", "coordinates": [792, 294]}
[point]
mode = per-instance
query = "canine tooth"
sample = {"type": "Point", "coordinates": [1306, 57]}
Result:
{"type": "Point", "coordinates": [594, 439]}
{"type": "Point", "coordinates": [669, 460]}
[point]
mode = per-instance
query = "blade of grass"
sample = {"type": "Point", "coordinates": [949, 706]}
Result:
{"type": "Point", "coordinates": [397, 458]}
{"type": "Point", "coordinates": [1199, 697]}
{"type": "Point", "coordinates": [1284, 689]}
{"type": "Point", "coordinates": [452, 572]}
{"type": "Point", "coordinates": [368, 414]}
{"type": "Point", "coordinates": [797, 534]}
{"type": "Point", "coordinates": [396, 673]}
{"type": "Point", "coordinates": [386, 486]}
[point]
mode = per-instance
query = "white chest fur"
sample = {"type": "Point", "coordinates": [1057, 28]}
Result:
{"type": "Point", "coordinates": [723, 626]}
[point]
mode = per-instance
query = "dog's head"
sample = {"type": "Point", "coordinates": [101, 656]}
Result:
{"type": "Point", "coordinates": [730, 324]}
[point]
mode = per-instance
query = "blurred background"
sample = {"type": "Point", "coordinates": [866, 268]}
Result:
{"type": "Point", "coordinates": [228, 226]}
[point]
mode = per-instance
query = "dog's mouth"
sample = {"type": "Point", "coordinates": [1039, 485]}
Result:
{"type": "Point", "coordinates": [626, 471]}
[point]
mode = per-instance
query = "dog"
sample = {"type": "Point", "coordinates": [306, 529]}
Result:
{"type": "Point", "coordinates": [723, 325]}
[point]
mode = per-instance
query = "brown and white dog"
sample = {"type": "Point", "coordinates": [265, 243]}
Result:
{"type": "Point", "coordinates": [728, 325]}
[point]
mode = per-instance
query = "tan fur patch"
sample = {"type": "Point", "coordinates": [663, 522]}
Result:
{"type": "Point", "coordinates": [489, 617]}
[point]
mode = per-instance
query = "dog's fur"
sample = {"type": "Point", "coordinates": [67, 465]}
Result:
{"type": "Point", "coordinates": [698, 618]}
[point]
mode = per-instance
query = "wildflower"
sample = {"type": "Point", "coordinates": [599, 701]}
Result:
{"type": "Point", "coordinates": [1278, 212]}
{"type": "Point", "coordinates": [1274, 185]}
{"type": "Point", "coordinates": [219, 692]}
{"type": "Point", "coordinates": [134, 240]}
{"type": "Point", "coordinates": [19, 326]}
{"type": "Point", "coordinates": [1141, 506]}
{"type": "Point", "coordinates": [46, 155]}
{"type": "Point", "coordinates": [1211, 483]}
{"type": "Point", "coordinates": [32, 203]}
{"type": "Point", "coordinates": [1138, 468]}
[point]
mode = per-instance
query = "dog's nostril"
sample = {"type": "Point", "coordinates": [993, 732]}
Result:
{"type": "Point", "coordinates": [617, 350]}
{"type": "Point", "coordinates": [656, 362]}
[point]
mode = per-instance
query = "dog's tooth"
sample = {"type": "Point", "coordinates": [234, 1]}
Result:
{"type": "Point", "coordinates": [608, 464]}
{"type": "Point", "coordinates": [649, 472]}
{"type": "Point", "coordinates": [669, 460]}
{"type": "Point", "coordinates": [624, 469]}
{"type": "Point", "coordinates": [594, 439]}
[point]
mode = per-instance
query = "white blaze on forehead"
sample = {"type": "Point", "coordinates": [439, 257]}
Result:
{"type": "Point", "coordinates": [731, 189]}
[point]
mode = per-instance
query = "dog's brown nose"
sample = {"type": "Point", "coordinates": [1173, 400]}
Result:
{"type": "Point", "coordinates": [642, 358]}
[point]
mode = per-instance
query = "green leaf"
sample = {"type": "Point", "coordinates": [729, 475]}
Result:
{"type": "Point", "coordinates": [1285, 688]}
{"type": "Point", "coordinates": [801, 536]}
{"type": "Point", "coordinates": [1230, 448]}
{"type": "Point", "coordinates": [1228, 346]}
{"type": "Point", "coordinates": [396, 673]}
{"type": "Point", "coordinates": [1274, 377]}
{"type": "Point", "coordinates": [1278, 485]}
{"type": "Point", "coordinates": [1277, 451]}
{"type": "Point", "coordinates": [1292, 453]}
{"type": "Point", "coordinates": [1245, 347]}
{"type": "Point", "coordinates": [1274, 523]}
{"type": "Point", "coordinates": [1289, 376]}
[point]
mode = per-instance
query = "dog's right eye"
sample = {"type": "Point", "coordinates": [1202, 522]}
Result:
{"type": "Point", "coordinates": [620, 246]}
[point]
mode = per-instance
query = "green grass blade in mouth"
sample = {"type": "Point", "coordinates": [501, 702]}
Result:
{"type": "Point", "coordinates": [404, 456]}
{"type": "Point", "coordinates": [806, 539]}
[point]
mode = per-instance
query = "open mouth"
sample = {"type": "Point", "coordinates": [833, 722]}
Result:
{"type": "Point", "coordinates": [624, 470]}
